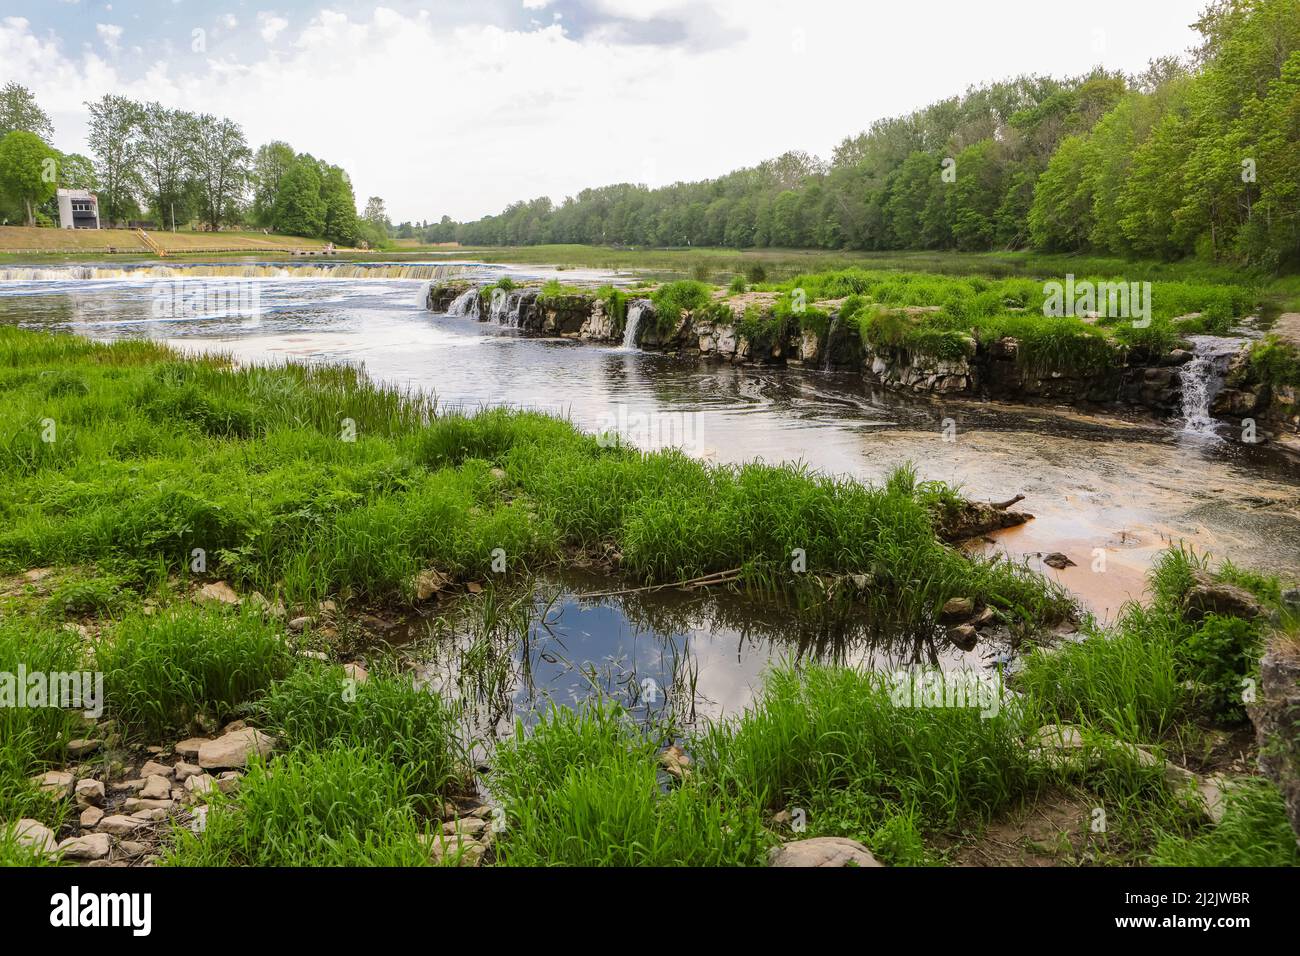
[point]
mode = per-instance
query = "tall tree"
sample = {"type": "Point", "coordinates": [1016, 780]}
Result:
{"type": "Point", "coordinates": [220, 166]}
{"type": "Point", "coordinates": [114, 137]}
{"type": "Point", "coordinates": [19, 111]}
{"type": "Point", "coordinates": [299, 208]}
{"type": "Point", "coordinates": [167, 140]}
{"type": "Point", "coordinates": [270, 164]}
{"type": "Point", "coordinates": [28, 171]}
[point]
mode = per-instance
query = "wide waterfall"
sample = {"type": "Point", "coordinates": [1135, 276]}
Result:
{"type": "Point", "coordinates": [1202, 379]}
{"type": "Point", "coordinates": [428, 271]}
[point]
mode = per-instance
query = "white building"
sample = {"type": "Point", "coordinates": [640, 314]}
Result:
{"type": "Point", "coordinates": [78, 209]}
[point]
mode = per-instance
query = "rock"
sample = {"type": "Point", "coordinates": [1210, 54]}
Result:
{"type": "Point", "coordinates": [822, 851]}
{"type": "Point", "coordinates": [1208, 596]}
{"type": "Point", "coordinates": [1212, 791]}
{"type": "Point", "coordinates": [186, 770]}
{"type": "Point", "coordinates": [1276, 716]}
{"type": "Point", "coordinates": [93, 846]}
{"type": "Point", "coordinates": [156, 788]}
{"type": "Point", "coordinates": [157, 815]}
{"type": "Point", "coordinates": [152, 768]}
{"type": "Point", "coordinates": [466, 826]}
{"type": "Point", "coordinates": [964, 636]}
{"type": "Point", "coordinates": [1179, 778]}
{"type": "Point", "coordinates": [957, 609]}
{"type": "Point", "coordinates": [90, 817]}
{"type": "Point", "coordinates": [56, 783]}
{"type": "Point", "coordinates": [119, 825]}
{"type": "Point", "coordinates": [443, 849]}
{"type": "Point", "coordinates": [135, 786]}
{"type": "Point", "coordinates": [984, 618]}
{"type": "Point", "coordinates": [299, 624]}
{"type": "Point", "coordinates": [200, 783]}
{"type": "Point", "coordinates": [356, 672]}
{"type": "Point", "coordinates": [229, 781]}
{"type": "Point", "coordinates": [430, 582]}
{"type": "Point", "coordinates": [190, 747]}
{"type": "Point", "coordinates": [83, 747]}
{"type": "Point", "coordinates": [234, 725]}
{"type": "Point", "coordinates": [676, 761]}
{"type": "Point", "coordinates": [89, 793]}
{"type": "Point", "coordinates": [1059, 736]}
{"type": "Point", "coordinates": [134, 805]}
{"type": "Point", "coordinates": [1058, 561]}
{"type": "Point", "coordinates": [233, 750]}
{"type": "Point", "coordinates": [218, 591]}
{"type": "Point", "coordinates": [130, 850]}
{"type": "Point", "coordinates": [35, 835]}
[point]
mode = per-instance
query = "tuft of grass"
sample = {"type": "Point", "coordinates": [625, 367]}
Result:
{"type": "Point", "coordinates": [1254, 832]}
{"type": "Point", "coordinates": [163, 672]}
{"type": "Point", "coordinates": [388, 715]}
{"type": "Point", "coordinates": [340, 807]}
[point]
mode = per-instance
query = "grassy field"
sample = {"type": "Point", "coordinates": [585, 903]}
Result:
{"type": "Point", "coordinates": [19, 242]}
{"type": "Point", "coordinates": [315, 485]}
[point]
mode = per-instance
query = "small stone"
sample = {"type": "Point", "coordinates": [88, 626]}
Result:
{"type": "Point", "coordinates": [35, 835]}
{"type": "Point", "coordinates": [356, 672]}
{"type": "Point", "coordinates": [1058, 561]}
{"type": "Point", "coordinates": [90, 817]}
{"type": "Point", "coordinates": [119, 825]}
{"type": "Point", "coordinates": [229, 781]}
{"type": "Point", "coordinates": [130, 849]}
{"type": "Point", "coordinates": [156, 788]}
{"type": "Point", "coordinates": [218, 591]}
{"type": "Point", "coordinates": [233, 750]}
{"type": "Point", "coordinates": [314, 655]}
{"type": "Point", "coordinates": [185, 770]}
{"type": "Point", "coordinates": [983, 618]}
{"type": "Point", "coordinates": [428, 583]}
{"type": "Point", "coordinates": [957, 609]}
{"type": "Point", "coordinates": [1059, 736]}
{"type": "Point", "coordinates": [150, 816]}
{"type": "Point", "coordinates": [152, 768]}
{"type": "Point", "coordinates": [200, 783]}
{"type": "Point", "coordinates": [89, 793]}
{"type": "Point", "coordinates": [466, 826]}
{"type": "Point", "coordinates": [964, 636]}
{"type": "Point", "coordinates": [822, 851]}
{"type": "Point", "coordinates": [57, 783]}
{"type": "Point", "coordinates": [93, 846]}
{"type": "Point", "coordinates": [83, 747]}
{"type": "Point", "coordinates": [133, 805]}
{"type": "Point", "coordinates": [299, 624]}
{"type": "Point", "coordinates": [133, 785]}
{"type": "Point", "coordinates": [155, 750]}
{"type": "Point", "coordinates": [233, 726]}
{"type": "Point", "coordinates": [676, 761]}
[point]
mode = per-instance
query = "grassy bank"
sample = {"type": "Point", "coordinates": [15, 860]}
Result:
{"type": "Point", "coordinates": [134, 475]}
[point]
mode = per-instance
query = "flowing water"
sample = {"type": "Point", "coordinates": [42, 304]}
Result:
{"type": "Point", "coordinates": [1203, 378]}
{"type": "Point", "coordinates": [1108, 492]}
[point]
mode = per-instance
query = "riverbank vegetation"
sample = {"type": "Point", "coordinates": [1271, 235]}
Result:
{"type": "Point", "coordinates": [323, 499]}
{"type": "Point", "coordinates": [1189, 158]}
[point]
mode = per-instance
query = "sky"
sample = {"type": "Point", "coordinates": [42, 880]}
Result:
{"type": "Point", "coordinates": [460, 107]}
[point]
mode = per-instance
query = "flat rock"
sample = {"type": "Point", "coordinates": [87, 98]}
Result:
{"type": "Point", "coordinates": [1058, 560]}
{"type": "Point", "coordinates": [186, 770]}
{"type": "Point", "coordinates": [822, 851]}
{"type": "Point", "coordinates": [231, 752]}
{"type": "Point", "coordinates": [90, 817]}
{"type": "Point", "coordinates": [676, 761]}
{"type": "Point", "coordinates": [466, 826]}
{"type": "Point", "coordinates": [964, 636]}
{"type": "Point", "coordinates": [57, 783]}
{"type": "Point", "coordinates": [200, 783]}
{"type": "Point", "coordinates": [1208, 596]}
{"type": "Point", "coordinates": [83, 747]}
{"type": "Point", "coordinates": [156, 788]}
{"type": "Point", "coordinates": [957, 609]}
{"type": "Point", "coordinates": [189, 747]}
{"type": "Point", "coordinates": [356, 672]}
{"type": "Point", "coordinates": [153, 768]}
{"type": "Point", "coordinates": [93, 846]}
{"type": "Point", "coordinates": [35, 835]}
{"type": "Point", "coordinates": [119, 825]}
{"type": "Point", "coordinates": [134, 804]}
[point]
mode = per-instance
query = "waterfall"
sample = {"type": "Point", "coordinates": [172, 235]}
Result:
{"type": "Point", "coordinates": [830, 337]}
{"type": "Point", "coordinates": [465, 304]}
{"type": "Point", "coordinates": [427, 271]}
{"type": "Point", "coordinates": [422, 300]}
{"type": "Point", "coordinates": [1202, 378]}
{"type": "Point", "coordinates": [634, 312]}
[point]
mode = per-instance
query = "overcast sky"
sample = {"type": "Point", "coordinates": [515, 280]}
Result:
{"type": "Point", "coordinates": [462, 106]}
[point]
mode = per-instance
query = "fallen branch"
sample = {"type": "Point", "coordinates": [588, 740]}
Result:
{"type": "Point", "coordinates": [1004, 505]}
{"type": "Point", "coordinates": [718, 577]}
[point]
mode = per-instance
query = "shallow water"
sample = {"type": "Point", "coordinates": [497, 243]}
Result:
{"type": "Point", "coordinates": [1107, 492]}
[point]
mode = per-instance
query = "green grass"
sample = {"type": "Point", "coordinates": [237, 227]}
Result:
{"type": "Point", "coordinates": [316, 709]}
{"type": "Point", "coordinates": [582, 790]}
{"type": "Point", "coordinates": [1254, 832]}
{"type": "Point", "coordinates": [341, 807]}
{"type": "Point", "coordinates": [165, 672]}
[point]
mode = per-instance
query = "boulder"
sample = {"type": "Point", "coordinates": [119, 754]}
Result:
{"type": "Point", "coordinates": [90, 817]}
{"type": "Point", "coordinates": [83, 747]}
{"type": "Point", "coordinates": [1209, 596]}
{"type": "Point", "coordinates": [218, 591]}
{"type": "Point", "coordinates": [1276, 716]}
{"type": "Point", "coordinates": [89, 793]}
{"type": "Point", "coordinates": [1058, 560]}
{"type": "Point", "coordinates": [189, 748]}
{"type": "Point", "coordinates": [231, 751]}
{"type": "Point", "coordinates": [152, 768]}
{"type": "Point", "coordinates": [156, 788]}
{"type": "Point", "coordinates": [822, 851]}
{"type": "Point", "coordinates": [957, 609]}
{"type": "Point", "coordinates": [186, 770]}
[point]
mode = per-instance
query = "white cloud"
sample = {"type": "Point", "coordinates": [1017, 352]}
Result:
{"type": "Point", "coordinates": [472, 116]}
{"type": "Point", "coordinates": [110, 34]}
{"type": "Point", "coordinates": [270, 25]}
{"type": "Point", "coordinates": [535, 4]}
{"type": "Point", "coordinates": [230, 21]}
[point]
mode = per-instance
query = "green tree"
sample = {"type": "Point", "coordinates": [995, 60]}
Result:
{"type": "Point", "coordinates": [270, 163]}
{"type": "Point", "coordinates": [28, 171]}
{"type": "Point", "coordinates": [299, 208]}
{"type": "Point", "coordinates": [219, 163]}
{"type": "Point", "coordinates": [19, 111]}
{"type": "Point", "coordinates": [166, 153]}
{"type": "Point", "coordinates": [114, 136]}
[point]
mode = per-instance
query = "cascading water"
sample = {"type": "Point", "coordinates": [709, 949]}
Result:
{"type": "Point", "coordinates": [1202, 379]}
{"type": "Point", "coordinates": [427, 271]}
{"type": "Point", "coordinates": [634, 312]}
{"type": "Point", "coordinates": [830, 339]}
{"type": "Point", "coordinates": [465, 304]}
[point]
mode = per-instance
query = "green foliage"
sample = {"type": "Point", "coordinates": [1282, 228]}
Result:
{"type": "Point", "coordinates": [162, 672]}
{"type": "Point", "coordinates": [341, 807]}
{"type": "Point", "coordinates": [27, 165]}
{"type": "Point", "coordinates": [387, 715]}
{"type": "Point", "coordinates": [1254, 832]}
{"type": "Point", "coordinates": [1220, 654]}
{"type": "Point", "coordinates": [1275, 363]}
{"type": "Point", "coordinates": [673, 299]}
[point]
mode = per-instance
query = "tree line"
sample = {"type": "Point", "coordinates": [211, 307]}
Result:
{"type": "Point", "coordinates": [171, 167]}
{"type": "Point", "coordinates": [1195, 156]}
